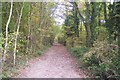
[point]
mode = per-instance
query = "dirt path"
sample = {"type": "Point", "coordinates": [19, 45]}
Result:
{"type": "Point", "coordinates": [55, 63]}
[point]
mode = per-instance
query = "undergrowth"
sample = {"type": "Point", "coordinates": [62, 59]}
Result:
{"type": "Point", "coordinates": [101, 60]}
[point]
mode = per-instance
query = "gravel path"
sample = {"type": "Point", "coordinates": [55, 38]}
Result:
{"type": "Point", "coordinates": [55, 63]}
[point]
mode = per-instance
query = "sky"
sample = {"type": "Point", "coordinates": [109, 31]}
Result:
{"type": "Point", "coordinates": [59, 16]}
{"type": "Point", "coordinates": [61, 12]}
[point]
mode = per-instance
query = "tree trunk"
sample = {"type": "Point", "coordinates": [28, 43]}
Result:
{"type": "Point", "coordinates": [87, 26]}
{"type": "Point", "coordinates": [99, 14]}
{"type": "Point", "coordinates": [86, 23]}
{"type": "Point", "coordinates": [29, 30]}
{"type": "Point", "coordinates": [105, 13]}
{"type": "Point", "coordinates": [17, 33]}
{"type": "Point", "coordinates": [76, 22]}
{"type": "Point", "coordinates": [117, 16]}
{"type": "Point", "coordinates": [7, 25]}
{"type": "Point", "coordinates": [0, 38]}
{"type": "Point", "coordinates": [93, 24]}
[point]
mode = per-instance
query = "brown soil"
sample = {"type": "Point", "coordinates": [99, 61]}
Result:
{"type": "Point", "coordinates": [55, 63]}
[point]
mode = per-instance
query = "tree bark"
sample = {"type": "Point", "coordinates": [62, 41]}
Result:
{"type": "Point", "coordinates": [0, 38]}
{"type": "Point", "coordinates": [105, 13]}
{"type": "Point", "coordinates": [29, 30]}
{"type": "Point", "coordinates": [7, 25]}
{"type": "Point", "coordinates": [99, 14]}
{"type": "Point", "coordinates": [117, 17]}
{"type": "Point", "coordinates": [17, 34]}
{"type": "Point", "coordinates": [93, 24]}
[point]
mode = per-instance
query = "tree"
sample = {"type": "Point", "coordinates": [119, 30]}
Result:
{"type": "Point", "coordinates": [117, 16]}
{"type": "Point", "coordinates": [7, 25]}
{"type": "Point", "coordinates": [111, 21]}
{"type": "Point", "coordinates": [86, 22]}
{"type": "Point", "coordinates": [76, 21]}
{"type": "Point", "coordinates": [93, 23]}
{"type": "Point", "coordinates": [18, 27]}
{"type": "Point", "coordinates": [105, 13]}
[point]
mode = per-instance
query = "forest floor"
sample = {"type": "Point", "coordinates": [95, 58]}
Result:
{"type": "Point", "coordinates": [54, 63]}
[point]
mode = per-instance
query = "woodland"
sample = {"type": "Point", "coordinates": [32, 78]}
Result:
{"type": "Point", "coordinates": [90, 32]}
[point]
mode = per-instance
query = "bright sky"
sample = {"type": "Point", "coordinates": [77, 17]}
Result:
{"type": "Point", "coordinates": [59, 14]}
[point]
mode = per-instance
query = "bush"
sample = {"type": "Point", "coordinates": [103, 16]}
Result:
{"type": "Point", "coordinates": [42, 49]}
{"type": "Point", "coordinates": [102, 60]}
{"type": "Point", "coordinates": [78, 51]}
{"type": "Point", "coordinates": [103, 51]}
{"type": "Point", "coordinates": [92, 60]}
{"type": "Point", "coordinates": [39, 52]}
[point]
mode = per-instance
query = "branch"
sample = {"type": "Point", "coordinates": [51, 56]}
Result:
{"type": "Point", "coordinates": [60, 16]}
{"type": "Point", "coordinates": [65, 5]}
{"type": "Point", "coordinates": [76, 6]}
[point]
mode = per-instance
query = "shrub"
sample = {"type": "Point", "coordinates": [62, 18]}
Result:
{"type": "Point", "coordinates": [78, 51]}
{"type": "Point", "coordinates": [103, 51]}
{"type": "Point", "coordinates": [39, 52]}
{"type": "Point", "coordinates": [102, 60]}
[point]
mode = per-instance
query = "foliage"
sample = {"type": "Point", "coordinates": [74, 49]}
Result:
{"type": "Point", "coordinates": [42, 49]}
{"type": "Point", "coordinates": [102, 60]}
{"type": "Point", "coordinates": [35, 34]}
{"type": "Point", "coordinates": [90, 30]}
{"type": "Point", "coordinates": [78, 51]}
{"type": "Point", "coordinates": [102, 33]}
